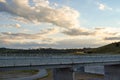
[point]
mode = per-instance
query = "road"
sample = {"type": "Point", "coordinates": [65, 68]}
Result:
{"type": "Point", "coordinates": [40, 74]}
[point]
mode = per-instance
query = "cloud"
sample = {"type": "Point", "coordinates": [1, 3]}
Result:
{"type": "Point", "coordinates": [78, 32]}
{"type": "Point", "coordinates": [103, 7]}
{"type": "Point", "coordinates": [99, 28]}
{"type": "Point", "coordinates": [23, 20]}
{"type": "Point", "coordinates": [17, 25]}
{"type": "Point", "coordinates": [65, 43]}
{"type": "Point", "coordinates": [98, 31]}
{"type": "Point", "coordinates": [41, 11]}
{"type": "Point", "coordinates": [10, 25]}
{"type": "Point", "coordinates": [78, 43]}
{"type": "Point", "coordinates": [90, 38]}
{"type": "Point", "coordinates": [25, 45]}
{"type": "Point", "coordinates": [112, 38]}
{"type": "Point", "coordinates": [2, 1]}
{"type": "Point", "coordinates": [42, 36]}
{"type": "Point", "coordinates": [106, 31]}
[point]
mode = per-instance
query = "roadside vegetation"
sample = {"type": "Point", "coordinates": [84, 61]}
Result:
{"type": "Point", "coordinates": [5, 75]}
{"type": "Point", "coordinates": [110, 48]}
{"type": "Point", "coordinates": [21, 71]}
{"type": "Point", "coordinates": [39, 52]}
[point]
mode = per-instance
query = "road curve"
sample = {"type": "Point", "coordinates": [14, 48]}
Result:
{"type": "Point", "coordinates": [40, 74]}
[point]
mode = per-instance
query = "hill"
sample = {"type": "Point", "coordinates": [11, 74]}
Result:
{"type": "Point", "coordinates": [110, 48]}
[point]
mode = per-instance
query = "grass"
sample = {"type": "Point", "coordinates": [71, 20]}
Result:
{"type": "Point", "coordinates": [113, 48]}
{"type": "Point", "coordinates": [30, 71]}
{"type": "Point", "coordinates": [17, 74]}
{"type": "Point", "coordinates": [25, 71]}
{"type": "Point", "coordinates": [20, 71]}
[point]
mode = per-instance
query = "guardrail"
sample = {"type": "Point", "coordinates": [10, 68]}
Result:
{"type": "Point", "coordinates": [56, 54]}
{"type": "Point", "coordinates": [50, 60]}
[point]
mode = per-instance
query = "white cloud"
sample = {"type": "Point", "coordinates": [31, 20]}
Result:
{"type": "Point", "coordinates": [2, 1]}
{"type": "Point", "coordinates": [10, 25]}
{"type": "Point", "coordinates": [20, 19]}
{"type": "Point", "coordinates": [41, 12]}
{"type": "Point", "coordinates": [17, 25]}
{"type": "Point", "coordinates": [104, 7]}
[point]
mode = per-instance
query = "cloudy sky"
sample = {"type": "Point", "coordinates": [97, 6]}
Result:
{"type": "Point", "coordinates": [59, 23]}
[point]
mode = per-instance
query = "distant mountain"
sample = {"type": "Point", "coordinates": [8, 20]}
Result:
{"type": "Point", "coordinates": [110, 48]}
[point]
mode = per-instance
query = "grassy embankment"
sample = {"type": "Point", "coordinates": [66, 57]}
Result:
{"type": "Point", "coordinates": [21, 71]}
{"type": "Point", "coordinates": [113, 48]}
{"type": "Point", "coordinates": [16, 74]}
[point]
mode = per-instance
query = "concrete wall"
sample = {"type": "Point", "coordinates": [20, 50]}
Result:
{"type": "Point", "coordinates": [112, 72]}
{"type": "Point", "coordinates": [94, 69]}
{"type": "Point", "coordinates": [63, 74]}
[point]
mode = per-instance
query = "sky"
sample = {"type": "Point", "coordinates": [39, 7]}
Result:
{"type": "Point", "coordinates": [59, 23]}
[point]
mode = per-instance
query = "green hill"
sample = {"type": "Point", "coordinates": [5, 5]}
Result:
{"type": "Point", "coordinates": [110, 48]}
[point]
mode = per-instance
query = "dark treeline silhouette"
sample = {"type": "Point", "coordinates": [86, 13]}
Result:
{"type": "Point", "coordinates": [40, 51]}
